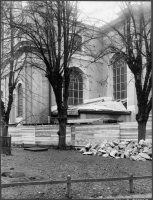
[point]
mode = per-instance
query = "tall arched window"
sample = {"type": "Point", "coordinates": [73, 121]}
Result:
{"type": "Point", "coordinates": [20, 100]}
{"type": "Point", "coordinates": [120, 79]}
{"type": "Point", "coordinates": [75, 88]}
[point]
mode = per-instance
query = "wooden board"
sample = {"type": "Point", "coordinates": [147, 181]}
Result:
{"type": "Point", "coordinates": [83, 121]}
{"type": "Point", "coordinates": [36, 149]}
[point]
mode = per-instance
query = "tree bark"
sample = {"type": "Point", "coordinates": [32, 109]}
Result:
{"type": "Point", "coordinates": [57, 83]}
{"type": "Point", "coordinates": [142, 130]}
{"type": "Point", "coordinates": [62, 128]}
{"type": "Point", "coordinates": [5, 129]}
{"type": "Point", "coordinates": [62, 136]}
{"type": "Point", "coordinates": [11, 84]}
{"type": "Point", "coordinates": [4, 125]}
{"type": "Point", "coordinates": [7, 113]}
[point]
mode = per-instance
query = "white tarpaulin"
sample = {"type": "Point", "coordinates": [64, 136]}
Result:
{"type": "Point", "coordinates": [108, 105]}
{"type": "Point", "coordinates": [97, 106]}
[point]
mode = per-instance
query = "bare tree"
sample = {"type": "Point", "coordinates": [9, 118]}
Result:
{"type": "Point", "coordinates": [12, 65]}
{"type": "Point", "coordinates": [129, 37]}
{"type": "Point", "coordinates": [51, 34]}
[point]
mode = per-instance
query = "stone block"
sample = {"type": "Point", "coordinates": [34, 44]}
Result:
{"type": "Point", "coordinates": [144, 155]}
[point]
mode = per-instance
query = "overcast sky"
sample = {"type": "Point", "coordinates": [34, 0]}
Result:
{"type": "Point", "coordinates": [100, 10]}
{"type": "Point", "coordinates": [94, 11]}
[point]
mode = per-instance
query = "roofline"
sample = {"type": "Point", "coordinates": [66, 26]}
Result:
{"type": "Point", "coordinates": [118, 20]}
{"type": "Point", "coordinates": [105, 112]}
{"type": "Point", "coordinates": [89, 111]}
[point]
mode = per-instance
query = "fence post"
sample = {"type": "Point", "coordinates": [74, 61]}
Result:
{"type": "Point", "coordinates": [69, 194]}
{"type": "Point", "coordinates": [119, 132]}
{"type": "Point", "coordinates": [73, 135]}
{"type": "Point", "coordinates": [131, 183]}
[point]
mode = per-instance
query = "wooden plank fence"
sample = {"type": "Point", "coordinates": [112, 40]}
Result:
{"type": "Point", "coordinates": [47, 135]}
{"type": "Point", "coordinates": [95, 133]}
{"type": "Point", "coordinates": [22, 134]}
{"type": "Point", "coordinates": [129, 131]}
{"type": "Point", "coordinates": [69, 181]}
{"type": "Point", "coordinates": [28, 135]}
{"type": "Point", "coordinates": [78, 135]}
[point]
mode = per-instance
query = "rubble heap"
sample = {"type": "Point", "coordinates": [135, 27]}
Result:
{"type": "Point", "coordinates": [129, 149]}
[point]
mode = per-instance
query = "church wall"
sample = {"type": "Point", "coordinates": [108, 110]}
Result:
{"type": "Point", "coordinates": [53, 100]}
{"type": "Point", "coordinates": [37, 97]}
{"type": "Point", "coordinates": [93, 76]}
{"type": "Point", "coordinates": [131, 95]}
{"type": "Point", "coordinates": [98, 80]}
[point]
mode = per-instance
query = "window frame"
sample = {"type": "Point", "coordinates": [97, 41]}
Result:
{"type": "Point", "coordinates": [119, 79]}
{"type": "Point", "coordinates": [75, 89]}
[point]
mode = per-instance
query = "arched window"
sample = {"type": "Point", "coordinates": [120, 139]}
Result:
{"type": "Point", "coordinates": [75, 88]}
{"type": "Point", "coordinates": [20, 106]}
{"type": "Point", "coordinates": [119, 79]}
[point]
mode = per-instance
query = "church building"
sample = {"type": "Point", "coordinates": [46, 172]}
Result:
{"type": "Point", "coordinates": [101, 89]}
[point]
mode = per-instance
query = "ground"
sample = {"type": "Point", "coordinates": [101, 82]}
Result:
{"type": "Point", "coordinates": [57, 164]}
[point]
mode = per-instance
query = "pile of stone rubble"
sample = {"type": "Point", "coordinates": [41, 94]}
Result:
{"type": "Point", "coordinates": [141, 151]}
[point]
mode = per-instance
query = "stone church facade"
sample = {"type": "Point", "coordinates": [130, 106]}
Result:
{"type": "Point", "coordinates": [34, 100]}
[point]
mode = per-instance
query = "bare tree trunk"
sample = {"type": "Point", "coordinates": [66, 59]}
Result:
{"type": "Point", "coordinates": [5, 140]}
{"type": "Point", "coordinates": [62, 128]}
{"type": "Point", "coordinates": [4, 125]}
{"type": "Point", "coordinates": [5, 129]}
{"type": "Point", "coordinates": [62, 135]}
{"type": "Point", "coordinates": [142, 130]}
{"type": "Point", "coordinates": [11, 84]}
{"type": "Point", "coordinates": [7, 113]}
{"type": "Point", "coordinates": [61, 107]}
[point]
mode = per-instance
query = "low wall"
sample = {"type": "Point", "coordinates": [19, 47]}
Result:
{"type": "Point", "coordinates": [78, 135]}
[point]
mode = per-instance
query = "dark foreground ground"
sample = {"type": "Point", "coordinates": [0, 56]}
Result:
{"type": "Point", "coordinates": [56, 165]}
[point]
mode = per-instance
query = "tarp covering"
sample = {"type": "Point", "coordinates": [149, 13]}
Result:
{"type": "Point", "coordinates": [97, 105]}
{"type": "Point", "coordinates": [109, 105]}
